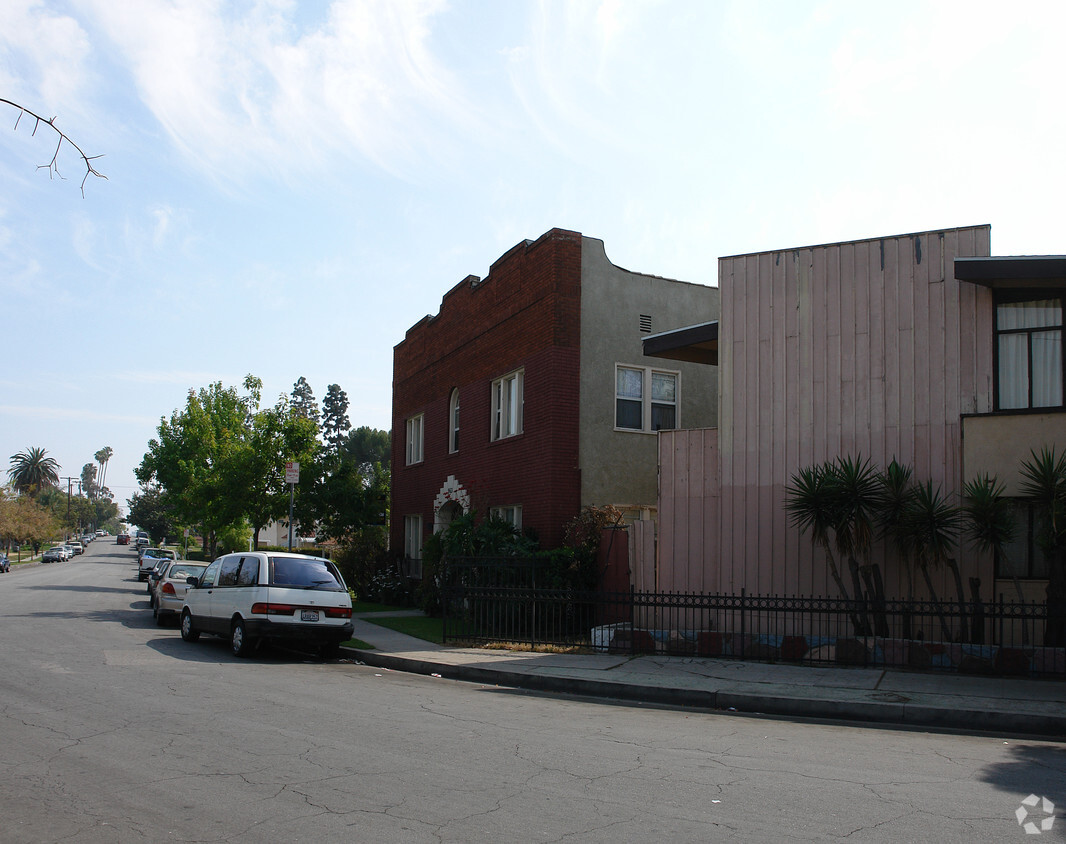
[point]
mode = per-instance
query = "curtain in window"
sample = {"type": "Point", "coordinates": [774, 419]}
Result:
{"type": "Point", "coordinates": [1030, 354]}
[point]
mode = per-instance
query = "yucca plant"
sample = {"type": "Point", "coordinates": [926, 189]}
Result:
{"type": "Point", "coordinates": [1044, 483]}
{"type": "Point", "coordinates": [934, 525]}
{"type": "Point", "coordinates": [988, 521]}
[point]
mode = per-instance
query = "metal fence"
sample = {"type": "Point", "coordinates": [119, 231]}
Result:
{"type": "Point", "coordinates": [485, 603]}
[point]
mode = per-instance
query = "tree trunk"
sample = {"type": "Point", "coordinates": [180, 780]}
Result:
{"type": "Point", "coordinates": [977, 620]}
{"type": "Point", "coordinates": [863, 626]}
{"type": "Point", "coordinates": [835, 572]}
{"type": "Point", "coordinates": [936, 601]}
{"type": "Point", "coordinates": [1021, 600]}
{"type": "Point", "coordinates": [963, 615]}
{"type": "Point", "coordinates": [875, 587]}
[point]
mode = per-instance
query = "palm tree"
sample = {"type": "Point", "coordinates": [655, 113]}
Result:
{"type": "Point", "coordinates": [1045, 485]}
{"type": "Point", "coordinates": [31, 471]}
{"type": "Point", "coordinates": [103, 457]}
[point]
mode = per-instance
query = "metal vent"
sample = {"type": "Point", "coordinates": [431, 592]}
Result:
{"type": "Point", "coordinates": [645, 324]}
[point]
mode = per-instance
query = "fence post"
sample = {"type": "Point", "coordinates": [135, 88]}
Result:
{"type": "Point", "coordinates": [743, 622]}
{"type": "Point", "coordinates": [632, 620]}
{"type": "Point", "coordinates": [533, 598]}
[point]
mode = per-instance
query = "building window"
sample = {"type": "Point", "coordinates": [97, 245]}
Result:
{"type": "Point", "coordinates": [511, 514]}
{"type": "Point", "coordinates": [1028, 347]}
{"type": "Point", "coordinates": [1023, 557]}
{"type": "Point", "coordinates": [412, 544]}
{"type": "Point", "coordinates": [453, 421]}
{"type": "Point", "coordinates": [507, 406]}
{"type": "Point", "coordinates": [645, 399]}
{"type": "Point", "coordinates": [414, 439]}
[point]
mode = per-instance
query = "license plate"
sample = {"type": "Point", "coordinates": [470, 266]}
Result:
{"type": "Point", "coordinates": [308, 615]}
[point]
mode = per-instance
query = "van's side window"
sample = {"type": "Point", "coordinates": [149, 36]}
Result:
{"type": "Point", "coordinates": [210, 574]}
{"type": "Point", "coordinates": [249, 573]}
{"type": "Point", "coordinates": [227, 575]}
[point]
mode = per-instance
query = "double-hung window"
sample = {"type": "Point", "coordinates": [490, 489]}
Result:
{"type": "Point", "coordinates": [1029, 371]}
{"type": "Point", "coordinates": [507, 405]}
{"type": "Point", "coordinates": [645, 398]}
{"type": "Point", "coordinates": [412, 544]}
{"type": "Point", "coordinates": [511, 514]}
{"type": "Point", "coordinates": [414, 438]}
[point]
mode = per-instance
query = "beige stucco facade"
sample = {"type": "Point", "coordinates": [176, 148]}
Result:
{"type": "Point", "coordinates": [618, 308]}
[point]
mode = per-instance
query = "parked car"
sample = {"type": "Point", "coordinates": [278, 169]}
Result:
{"type": "Point", "coordinates": [5, 565]}
{"type": "Point", "coordinates": [76, 545]}
{"type": "Point", "coordinates": [142, 540]}
{"type": "Point", "coordinates": [55, 554]}
{"type": "Point", "coordinates": [122, 539]}
{"type": "Point", "coordinates": [86, 538]}
{"type": "Point", "coordinates": [255, 596]}
{"type": "Point", "coordinates": [151, 557]}
{"type": "Point", "coordinates": [171, 587]}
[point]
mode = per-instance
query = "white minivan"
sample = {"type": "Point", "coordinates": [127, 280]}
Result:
{"type": "Point", "coordinates": [252, 596]}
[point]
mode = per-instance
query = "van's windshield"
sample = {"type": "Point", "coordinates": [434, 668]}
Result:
{"type": "Point", "coordinates": [305, 573]}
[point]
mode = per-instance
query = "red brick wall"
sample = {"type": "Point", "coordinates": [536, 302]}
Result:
{"type": "Point", "coordinates": [524, 314]}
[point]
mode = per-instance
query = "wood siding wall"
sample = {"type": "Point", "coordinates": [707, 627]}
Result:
{"type": "Point", "coordinates": [869, 347]}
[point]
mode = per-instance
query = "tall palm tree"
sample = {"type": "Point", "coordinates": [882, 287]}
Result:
{"type": "Point", "coordinates": [103, 457]}
{"type": "Point", "coordinates": [31, 471]}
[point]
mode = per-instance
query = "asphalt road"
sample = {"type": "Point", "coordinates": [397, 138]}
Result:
{"type": "Point", "coordinates": [112, 729]}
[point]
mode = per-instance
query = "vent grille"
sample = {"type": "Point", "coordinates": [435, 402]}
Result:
{"type": "Point", "coordinates": [645, 324]}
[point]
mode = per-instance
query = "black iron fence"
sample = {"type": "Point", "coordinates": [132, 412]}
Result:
{"type": "Point", "coordinates": [486, 602]}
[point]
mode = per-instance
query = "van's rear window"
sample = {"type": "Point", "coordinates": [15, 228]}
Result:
{"type": "Point", "coordinates": [304, 573]}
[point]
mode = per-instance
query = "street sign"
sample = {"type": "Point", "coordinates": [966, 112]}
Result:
{"type": "Point", "coordinates": [292, 472]}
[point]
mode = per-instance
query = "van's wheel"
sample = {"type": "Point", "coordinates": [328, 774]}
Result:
{"type": "Point", "coordinates": [239, 642]}
{"type": "Point", "coordinates": [187, 633]}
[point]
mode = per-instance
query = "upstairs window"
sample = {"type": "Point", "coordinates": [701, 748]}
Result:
{"type": "Point", "coordinates": [512, 514]}
{"type": "Point", "coordinates": [507, 405]}
{"type": "Point", "coordinates": [414, 439]}
{"type": "Point", "coordinates": [453, 422]}
{"type": "Point", "coordinates": [1028, 347]}
{"type": "Point", "coordinates": [645, 399]}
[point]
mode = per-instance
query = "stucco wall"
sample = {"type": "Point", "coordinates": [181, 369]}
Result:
{"type": "Point", "coordinates": [998, 444]}
{"type": "Point", "coordinates": [619, 467]}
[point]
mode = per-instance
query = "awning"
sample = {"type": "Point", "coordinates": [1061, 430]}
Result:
{"type": "Point", "coordinates": [694, 343]}
{"type": "Point", "coordinates": [1014, 272]}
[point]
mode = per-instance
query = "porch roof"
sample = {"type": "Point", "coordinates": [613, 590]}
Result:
{"type": "Point", "coordinates": [1014, 271]}
{"type": "Point", "coordinates": [693, 343]}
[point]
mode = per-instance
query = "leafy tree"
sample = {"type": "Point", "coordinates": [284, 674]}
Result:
{"type": "Point", "coordinates": [151, 509]}
{"type": "Point", "coordinates": [200, 458]}
{"type": "Point", "coordinates": [24, 520]}
{"type": "Point", "coordinates": [365, 446]}
{"type": "Point", "coordinates": [31, 471]}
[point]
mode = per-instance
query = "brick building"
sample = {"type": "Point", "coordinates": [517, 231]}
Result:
{"type": "Point", "coordinates": [527, 395]}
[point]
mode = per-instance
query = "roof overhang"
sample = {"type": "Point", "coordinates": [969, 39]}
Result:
{"type": "Point", "coordinates": [694, 343]}
{"type": "Point", "coordinates": [1015, 272]}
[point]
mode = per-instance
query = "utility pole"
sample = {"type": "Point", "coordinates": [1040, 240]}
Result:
{"type": "Point", "coordinates": [70, 482]}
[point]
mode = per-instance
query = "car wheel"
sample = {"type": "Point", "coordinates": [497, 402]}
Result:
{"type": "Point", "coordinates": [160, 618]}
{"type": "Point", "coordinates": [151, 600]}
{"type": "Point", "coordinates": [239, 642]}
{"type": "Point", "coordinates": [187, 632]}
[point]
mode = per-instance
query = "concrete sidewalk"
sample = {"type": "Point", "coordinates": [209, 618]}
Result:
{"type": "Point", "coordinates": [933, 700]}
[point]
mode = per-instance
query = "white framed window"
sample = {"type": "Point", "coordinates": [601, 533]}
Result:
{"type": "Point", "coordinates": [511, 513]}
{"type": "Point", "coordinates": [412, 544]}
{"type": "Point", "coordinates": [507, 405]}
{"type": "Point", "coordinates": [414, 438]}
{"type": "Point", "coordinates": [645, 398]}
{"type": "Point", "coordinates": [453, 422]}
{"type": "Point", "coordinates": [1029, 371]}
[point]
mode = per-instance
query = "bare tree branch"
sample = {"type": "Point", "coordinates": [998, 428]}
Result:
{"type": "Point", "coordinates": [53, 166]}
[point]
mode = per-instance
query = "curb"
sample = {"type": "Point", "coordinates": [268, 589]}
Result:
{"type": "Point", "coordinates": [908, 715]}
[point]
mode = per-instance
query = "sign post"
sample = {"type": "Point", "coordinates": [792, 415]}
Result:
{"type": "Point", "coordinates": [292, 477]}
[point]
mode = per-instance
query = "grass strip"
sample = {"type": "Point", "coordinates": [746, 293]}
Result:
{"type": "Point", "coordinates": [421, 627]}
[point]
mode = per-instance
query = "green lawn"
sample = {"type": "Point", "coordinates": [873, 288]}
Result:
{"type": "Point", "coordinates": [367, 606]}
{"type": "Point", "coordinates": [421, 627]}
{"type": "Point", "coordinates": [358, 643]}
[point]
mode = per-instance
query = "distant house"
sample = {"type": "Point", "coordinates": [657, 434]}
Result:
{"type": "Point", "coordinates": [527, 396]}
{"type": "Point", "coordinates": [919, 347]}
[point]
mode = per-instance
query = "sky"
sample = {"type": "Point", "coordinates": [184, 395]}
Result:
{"type": "Point", "coordinates": [291, 185]}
